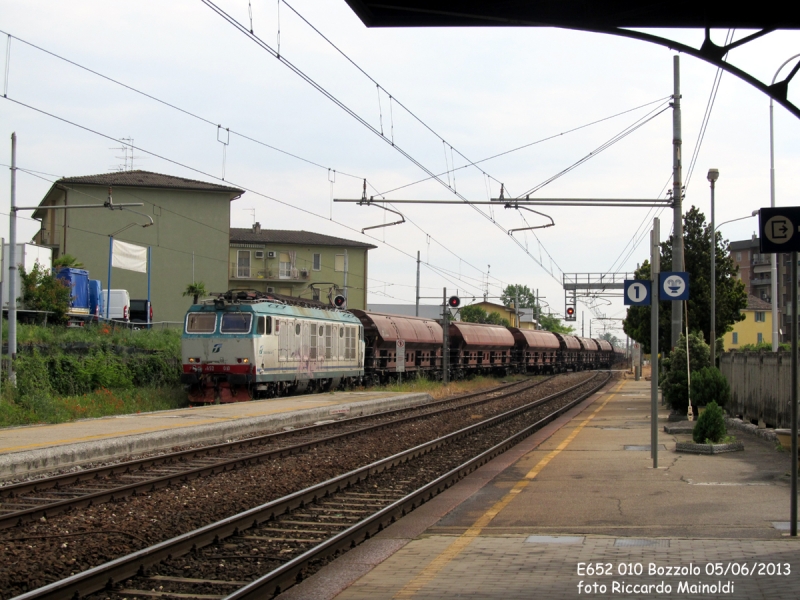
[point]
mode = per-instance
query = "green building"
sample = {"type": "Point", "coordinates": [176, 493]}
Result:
{"type": "Point", "coordinates": [186, 223]}
{"type": "Point", "coordinates": [299, 263]}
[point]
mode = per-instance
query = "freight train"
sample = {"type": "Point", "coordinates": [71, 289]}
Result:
{"type": "Point", "coordinates": [245, 344]}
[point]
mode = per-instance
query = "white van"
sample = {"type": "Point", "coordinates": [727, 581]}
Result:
{"type": "Point", "coordinates": [119, 305]}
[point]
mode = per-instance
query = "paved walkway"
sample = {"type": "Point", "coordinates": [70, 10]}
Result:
{"type": "Point", "coordinates": [577, 510]}
{"type": "Point", "coordinates": [25, 450]}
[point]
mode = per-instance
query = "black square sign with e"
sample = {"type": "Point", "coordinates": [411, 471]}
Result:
{"type": "Point", "coordinates": [778, 229]}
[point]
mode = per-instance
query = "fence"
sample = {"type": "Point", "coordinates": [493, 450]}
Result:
{"type": "Point", "coordinates": [760, 386]}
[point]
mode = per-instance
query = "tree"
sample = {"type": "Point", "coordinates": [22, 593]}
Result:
{"type": "Point", "coordinates": [610, 338]}
{"type": "Point", "coordinates": [675, 379]}
{"type": "Point", "coordinates": [527, 299]}
{"type": "Point", "coordinates": [195, 290]}
{"type": "Point", "coordinates": [42, 291]}
{"type": "Point", "coordinates": [731, 297]}
{"type": "Point", "coordinates": [476, 314]}
{"type": "Point", "coordinates": [67, 260]}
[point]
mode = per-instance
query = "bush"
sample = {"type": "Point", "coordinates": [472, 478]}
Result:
{"type": "Point", "coordinates": [709, 385]}
{"type": "Point", "coordinates": [710, 427]}
{"type": "Point", "coordinates": [675, 379]}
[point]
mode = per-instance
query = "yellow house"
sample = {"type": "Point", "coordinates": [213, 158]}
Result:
{"type": "Point", "coordinates": [299, 263]}
{"type": "Point", "coordinates": [756, 327]}
{"type": "Point", "coordinates": [504, 311]}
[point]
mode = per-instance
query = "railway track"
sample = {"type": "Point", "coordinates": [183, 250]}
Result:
{"type": "Point", "coordinates": [265, 550]}
{"type": "Point", "coordinates": [31, 500]}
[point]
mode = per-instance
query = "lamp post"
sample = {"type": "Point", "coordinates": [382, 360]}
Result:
{"type": "Point", "coordinates": [713, 175]}
{"type": "Point", "coordinates": [774, 257]}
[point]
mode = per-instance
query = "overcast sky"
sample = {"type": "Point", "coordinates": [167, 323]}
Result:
{"type": "Point", "coordinates": [484, 91]}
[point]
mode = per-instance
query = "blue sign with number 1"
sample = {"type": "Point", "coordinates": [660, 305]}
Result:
{"type": "Point", "coordinates": [637, 292]}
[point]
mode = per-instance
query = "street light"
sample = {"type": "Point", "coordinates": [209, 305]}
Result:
{"type": "Point", "coordinates": [713, 175]}
{"type": "Point", "coordinates": [774, 258]}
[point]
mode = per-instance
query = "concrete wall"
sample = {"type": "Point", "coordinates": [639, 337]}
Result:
{"type": "Point", "coordinates": [760, 386]}
{"type": "Point", "coordinates": [184, 222]}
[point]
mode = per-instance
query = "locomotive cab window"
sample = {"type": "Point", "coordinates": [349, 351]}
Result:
{"type": "Point", "coordinates": [204, 322]}
{"type": "Point", "coordinates": [236, 322]}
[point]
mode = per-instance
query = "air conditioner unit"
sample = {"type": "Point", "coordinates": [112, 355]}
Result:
{"type": "Point", "coordinates": [270, 290]}
{"type": "Point", "coordinates": [259, 254]}
{"type": "Point", "coordinates": [272, 254]}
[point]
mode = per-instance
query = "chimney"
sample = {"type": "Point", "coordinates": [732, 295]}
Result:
{"type": "Point", "coordinates": [256, 227]}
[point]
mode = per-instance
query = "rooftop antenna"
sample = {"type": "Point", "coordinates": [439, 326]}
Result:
{"type": "Point", "coordinates": [127, 155]}
{"type": "Point", "coordinates": [253, 212]}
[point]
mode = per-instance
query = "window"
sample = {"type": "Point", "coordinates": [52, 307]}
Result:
{"type": "Point", "coordinates": [735, 338]}
{"type": "Point", "coordinates": [236, 322]}
{"type": "Point", "coordinates": [264, 325]}
{"type": "Point", "coordinates": [312, 352]}
{"type": "Point", "coordinates": [760, 317]}
{"type": "Point", "coordinates": [738, 257]}
{"type": "Point", "coordinates": [317, 262]}
{"type": "Point", "coordinates": [760, 337]}
{"type": "Point", "coordinates": [201, 322]}
{"type": "Point", "coordinates": [285, 268]}
{"type": "Point", "coordinates": [338, 265]}
{"type": "Point", "coordinates": [328, 342]}
{"type": "Point", "coordinates": [243, 263]}
{"type": "Point", "coordinates": [755, 257]}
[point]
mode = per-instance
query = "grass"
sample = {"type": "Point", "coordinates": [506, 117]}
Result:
{"type": "Point", "coordinates": [166, 340]}
{"type": "Point", "coordinates": [100, 403]}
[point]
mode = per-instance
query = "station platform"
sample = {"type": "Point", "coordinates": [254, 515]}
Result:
{"type": "Point", "coordinates": [36, 448]}
{"type": "Point", "coordinates": [578, 510]}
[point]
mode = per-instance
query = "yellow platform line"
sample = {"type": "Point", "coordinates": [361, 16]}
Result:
{"type": "Point", "coordinates": [460, 544]}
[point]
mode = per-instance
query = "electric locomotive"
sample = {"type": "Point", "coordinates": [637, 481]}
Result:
{"type": "Point", "coordinates": [247, 344]}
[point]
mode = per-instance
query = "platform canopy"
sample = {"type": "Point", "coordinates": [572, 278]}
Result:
{"type": "Point", "coordinates": [577, 14]}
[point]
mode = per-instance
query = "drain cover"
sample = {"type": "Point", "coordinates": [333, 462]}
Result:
{"type": "Point", "coordinates": [645, 448]}
{"type": "Point", "coordinates": [632, 542]}
{"type": "Point", "coordinates": [554, 539]}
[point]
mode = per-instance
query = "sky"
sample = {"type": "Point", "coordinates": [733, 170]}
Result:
{"type": "Point", "coordinates": [394, 106]}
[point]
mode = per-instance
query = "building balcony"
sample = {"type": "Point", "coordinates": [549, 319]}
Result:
{"type": "Point", "coordinates": [249, 273]}
{"type": "Point", "coordinates": [757, 281]}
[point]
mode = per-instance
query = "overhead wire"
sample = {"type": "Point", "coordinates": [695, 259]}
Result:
{"type": "Point", "coordinates": [209, 122]}
{"type": "Point", "coordinates": [209, 175]}
{"type": "Point", "coordinates": [266, 47]}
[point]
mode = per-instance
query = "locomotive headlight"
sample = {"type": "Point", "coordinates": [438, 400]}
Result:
{"type": "Point", "coordinates": [243, 360]}
{"type": "Point", "coordinates": [194, 360]}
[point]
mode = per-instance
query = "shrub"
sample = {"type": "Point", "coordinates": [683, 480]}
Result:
{"type": "Point", "coordinates": [675, 380]}
{"type": "Point", "coordinates": [710, 426]}
{"type": "Point", "coordinates": [709, 385]}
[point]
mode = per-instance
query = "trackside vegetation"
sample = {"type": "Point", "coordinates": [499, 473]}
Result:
{"type": "Point", "coordinates": [99, 370]}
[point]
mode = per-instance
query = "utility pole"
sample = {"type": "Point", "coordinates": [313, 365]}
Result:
{"type": "Point", "coordinates": [12, 266]}
{"type": "Point", "coordinates": [416, 310]}
{"type": "Point", "coordinates": [655, 269]}
{"type": "Point", "coordinates": [581, 323]}
{"type": "Point", "coordinates": [445, 331]}
{"type": "Point", "coordinates": [516, 307]}
{"type": "Point", "coordinates": [677, 196]}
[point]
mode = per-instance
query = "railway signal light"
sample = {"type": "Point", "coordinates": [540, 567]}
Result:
{"type": "Point", "coordinates": [570, 313]}
{"type": "Point", "coordinates": [454, 302]}
{"type": "Point", "coordinates": [339, 301]}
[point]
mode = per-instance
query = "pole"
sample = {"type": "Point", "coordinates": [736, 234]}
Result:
{"type": "Point", "coordinates": [416, 311]}
{"type": "Point", "coordinates": [774, 265]}
{"type": "Point", "coordinates": [445, 331]}
{"type": "Point", "coordinates": [345, 279]}
{"type": "Point", "coordinates": [538, 311]}
{"type": "Point", "coordinates": [677, 195]}
{"type": "Point", "coordinates": [655, 268]}
{"type": "Point", "coordinates": [712, 341]}
{"type": "Point", "coordinates": [581, 323]}
{"type": "Point", "coordinates": [108, 289]}
{"type": "Point", "coordinates": [149, 265]}
{"type": "Point", "coordinates": [516, 307]}
{"type": "Point", "coordinates": [793, 506]}
{"type": "Point", "coordinates": [2, 260]}
{"type": "Point", "coordinates": [12, 266]}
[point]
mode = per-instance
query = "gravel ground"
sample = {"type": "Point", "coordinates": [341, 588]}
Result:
{"type": "Point", "coordinates": [38, 553]}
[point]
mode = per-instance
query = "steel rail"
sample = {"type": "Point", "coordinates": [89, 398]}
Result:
{"type": "Point", "coordinates": [115, 571]}
{"type": "Point", "coordinates": [99, 497]}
